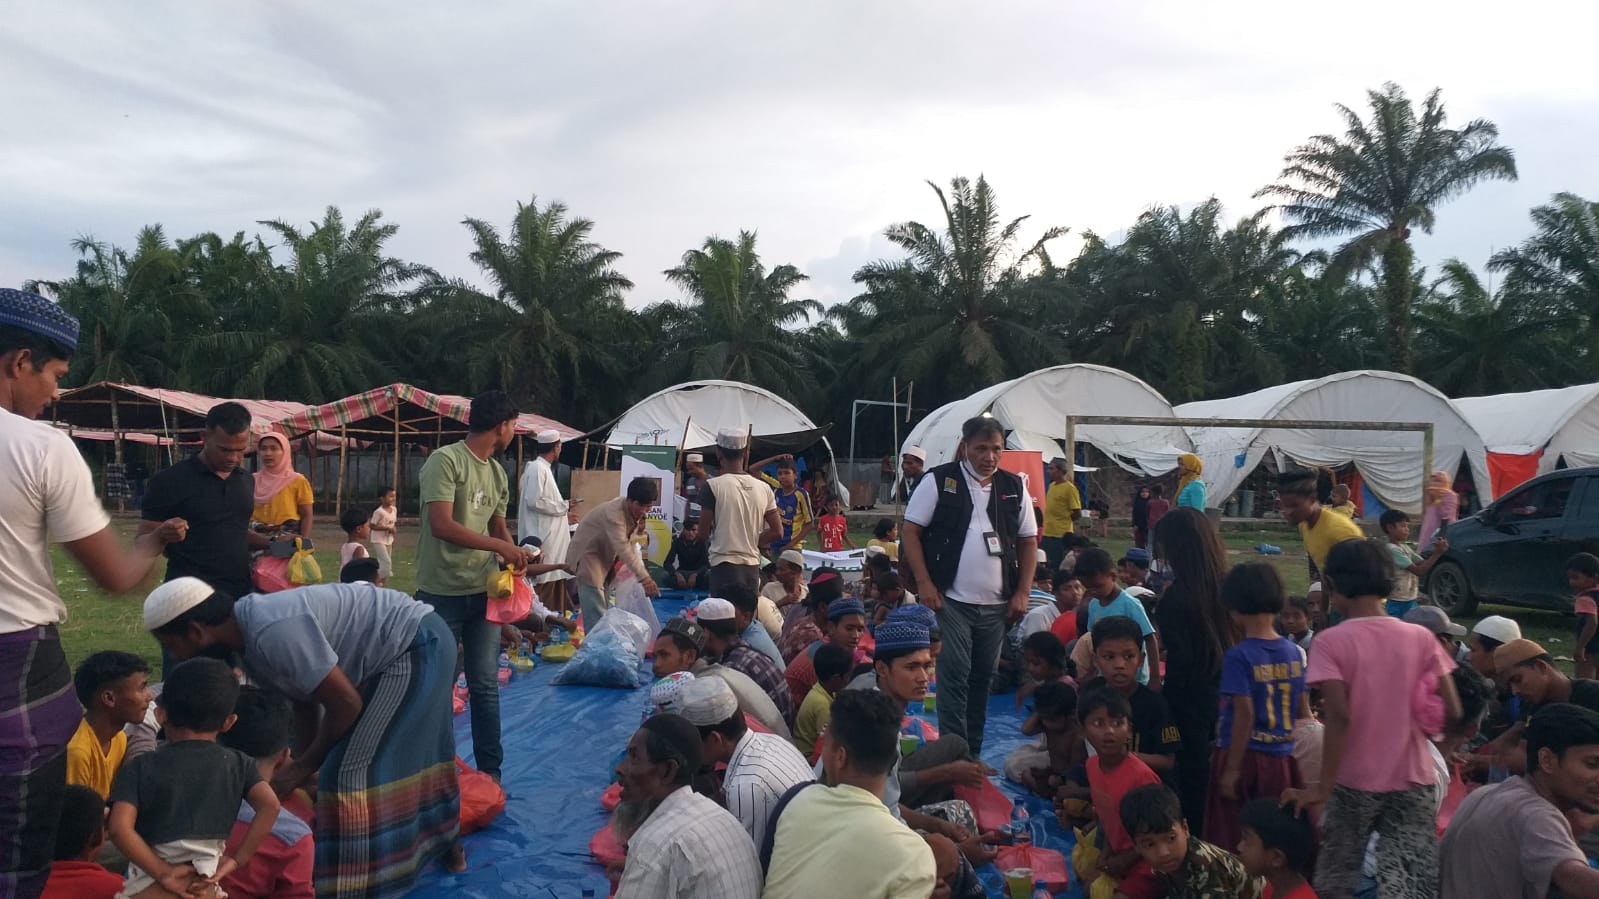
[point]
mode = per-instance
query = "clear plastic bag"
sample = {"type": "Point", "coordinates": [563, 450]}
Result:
{"type": "Point", "coordinates": [630, 597]}
{"type": "Point", "coordinates": [611, 655]}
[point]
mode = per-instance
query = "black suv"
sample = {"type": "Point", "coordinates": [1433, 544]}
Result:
{"type": "Point", "coordinates": [1514, 552]}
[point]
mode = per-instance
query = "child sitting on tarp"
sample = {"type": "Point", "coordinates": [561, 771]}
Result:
{"type": "Point", "coordinates": [1044, 764]}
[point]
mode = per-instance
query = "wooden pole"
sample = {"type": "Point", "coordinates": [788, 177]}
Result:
{"type": "Point", "coordinates": [680, 443]}
{"type": "Point", "coordinates": [338, 491]}
{"type": "Point", "coordinates": [116, 430]}
{"type": "Point", "coordinates": [585, 454]}
{"type": "Point", "coordinates": [394, 401]}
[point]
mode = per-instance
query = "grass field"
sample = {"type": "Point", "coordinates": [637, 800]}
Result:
{"type": "Point", "coordinates": [97, 621]}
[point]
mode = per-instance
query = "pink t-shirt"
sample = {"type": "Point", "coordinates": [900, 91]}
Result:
{"type": "Point", "coordinates": [1379, 659]}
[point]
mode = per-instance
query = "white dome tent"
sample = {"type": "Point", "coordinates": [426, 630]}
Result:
{"type": "Point", "coordinates": [1531, 433]}
{"type": "Point", "coordinates": [692, 412]}
{"type": "Point", "coordinates": [1033, 410]}
{"type": "Point", "coordinates": [1390, 462]}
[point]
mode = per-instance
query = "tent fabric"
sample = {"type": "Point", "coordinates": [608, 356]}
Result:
{"type": "Point", "coordinates": [1033, 410]}
{"type": "Point", "coordinates": [1510, 470]}
{"type": "Point", "coordinates": [156, 410]}
{"type": "Point", "coordinates": [1390, 462]}
{"type": "Point", "coordinates": [423, 415]}
{"type": "Point", "coordinates": [1560, 424]}
{"type": "Point", "coordinates": [561, 747]}
{"type": "Point", "coordinates": [692, 413]}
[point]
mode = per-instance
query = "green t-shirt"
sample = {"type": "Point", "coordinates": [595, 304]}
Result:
{"type": "Point", "coordinates": [479, 491]}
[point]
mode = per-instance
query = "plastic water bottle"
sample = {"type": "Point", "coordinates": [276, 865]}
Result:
{"type": "Point", "coordinates": [1021, 830]}
{"type": "Point", "coordinates": [1041, 890]}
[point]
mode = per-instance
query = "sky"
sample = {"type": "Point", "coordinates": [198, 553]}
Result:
{"type": "Point", "coordinates": [815, 124]}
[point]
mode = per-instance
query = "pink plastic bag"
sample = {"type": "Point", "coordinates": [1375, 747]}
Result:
{"type": "Point", "coordinates": [514, 608]}
{"type": "Point", "coordinates": [992, 808]}
{"type": "Point", "coordinates": [606, 848]}
{"type": "Point", "coordinates": [1047, 864]}
{"type": "Point", "coordinates": [272, 575]}
{"type": "Point", "coordinates": [611, 798]}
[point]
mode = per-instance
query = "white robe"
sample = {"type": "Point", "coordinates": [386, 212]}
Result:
{"type": "Point", "coordinates": [543, 515]}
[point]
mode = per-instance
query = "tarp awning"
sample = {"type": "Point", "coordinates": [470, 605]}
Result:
{"type": "Point", "coordinates": [155, 410]}
{"type": "Point", "coordinates": [416, 415]}
{"type": "Point", "coordinates": [1389, 461]}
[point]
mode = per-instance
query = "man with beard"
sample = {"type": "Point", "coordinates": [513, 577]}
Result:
{"type": "Point", "coordinates": [687, 846]}
{"type": "Point", "coordinates": [1515, 838]}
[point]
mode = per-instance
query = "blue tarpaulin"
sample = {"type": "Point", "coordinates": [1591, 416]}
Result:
{"type": "Point", "coordinates": [560, 745]}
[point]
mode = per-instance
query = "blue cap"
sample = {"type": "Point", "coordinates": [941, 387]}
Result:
{"type": "Point", "coordinates": [892, 635]}
{"type": "Point", "coordinates": [915, 613]}
{"type": "Point", "coordinates": [1137, 554]}
{"type": "Point", "coordinates": [847, 605]}
{"type": "Point", "coordinates": [31, 312]}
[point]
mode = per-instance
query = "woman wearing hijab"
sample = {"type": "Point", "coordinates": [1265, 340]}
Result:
{"type": "Point", "coordinates": [1190, 489]}
{"type": "Point", "coordinates": [282, 495]}
{"type": "Point", "coordinates": [1442, 507]}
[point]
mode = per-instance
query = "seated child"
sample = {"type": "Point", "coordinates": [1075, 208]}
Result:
{"type": "Point", "coordinates": [1119, 654]}
{"type": "Point", "coordinates": [1186, 866]}
{"type": "Point", "coordinates": [1279, 846]}
{"type": "Point", "coordinates": [1133, 568]}
{"type": "Point", "coordinates": [282, 865]}
{"type": "Point", "coordinates": [1043, 765]}
{"type": "Point", "coordinates": [1113, 773]}
{"type": "Point", "coordinates": [1044, 661]}
{"type": "Point", "coordinates": [1262, 694]}
{"type": "Point", "coordinates": [361, 570]}
{"type": "Point", "coordinates": [114, 688]}
{"type": "Point", "coordinates": [80, 836]}
{"type": "Point", "coordinates": [1068, 599]}
{"type": "Point", "coordinates": [846, 624]}
{"type": "Point", "coordinates": [173, 809]}
{"type": "Point", "coordinates": [833, 664]}
{"type": "Point", "coordinates": [357, 524]}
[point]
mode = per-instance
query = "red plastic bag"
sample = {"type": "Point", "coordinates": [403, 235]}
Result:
{"type": "Point", "coordinates": [482, 799]}
{"type": "Point", "coordinates": [1047, 864]}
{"type": "Point", "coordinates": [514, 608]}
{"type": "Point", "coordinates": [611, 798]}
{"type": "Point", "coordinates": [992, 808]}
{"type": "Point", "coordinates": [606, 848]}
{"type": "Point", "coordinates": [272, 575]}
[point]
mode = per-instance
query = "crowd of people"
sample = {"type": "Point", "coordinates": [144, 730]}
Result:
{"type": "Point", "coordinates": [1202, 732]}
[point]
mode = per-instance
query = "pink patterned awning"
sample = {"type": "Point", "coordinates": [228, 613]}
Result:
{"type": "Point", "coordinates": [155, 410]}
{"type": "Point", "coordinates": [417, 414]}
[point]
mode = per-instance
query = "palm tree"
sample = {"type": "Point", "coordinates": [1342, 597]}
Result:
{"type": "Point", "coordinates": [739, 322]}
{"type": "Point", "coordinates": [126, 304]}
{"type": "Point", "coordinates": [1319, 324]}
{"type": "Point", "coordinates": [963, 309]}
{"type": "Point", "coordinates": [1559, 264]}
{"type": "Point", "coordinates": [1380, 179]}
{"type": "Point", "coordinates": [1473, 342]}
{"type": "Point", "coordinates": [312, 329]}
{"type": "Point", "coordinates": [548, 330]}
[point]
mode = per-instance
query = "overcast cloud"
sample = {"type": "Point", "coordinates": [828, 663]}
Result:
{"type": "Point", "coordinates": [815, 123]}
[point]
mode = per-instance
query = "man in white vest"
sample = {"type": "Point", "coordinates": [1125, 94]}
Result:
{"type": "Point", "coordinates": [545, 514]}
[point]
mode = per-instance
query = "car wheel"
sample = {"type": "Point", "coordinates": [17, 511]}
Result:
{"type": "Point", "coordinates": [1450, 588]}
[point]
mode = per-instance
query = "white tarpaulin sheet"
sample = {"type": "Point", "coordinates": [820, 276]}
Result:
{"type": "Point", "coordinates": [705, 407]}
{"type": "Point", "coordinates": [1562, 422]}
{"type": "Point", "coordinates": [1033, 410]}
{"type": "Point", "coordinates": [1389, 461]}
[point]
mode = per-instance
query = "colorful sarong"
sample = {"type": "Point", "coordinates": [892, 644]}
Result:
{"type": "Point", "coordinates": [38, 715]}
{"type": "Point", "coordinates": [387, 801]}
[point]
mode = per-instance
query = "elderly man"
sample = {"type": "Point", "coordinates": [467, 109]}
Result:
{"type": "Point", "coordinates": [681, 647]}
{"type": "Point", "coordinates": [46, 494]}
{"type": "Point", "coordinates": [839, 839]}
{"type": "Point", "coordinates": [727, 630]}
{"type": "Point", "coordinates": [688, 846]}
{"type": "Point", "coordinates": [605, 537]}
{"type": "Point", "coordinates": [972, 542]}
{"type": "Point", "coordinates": [739, 512]}
{"type": "Point", "coordinates": [544, 514]}
{"type": "Point", "coordinates": [760, 767]}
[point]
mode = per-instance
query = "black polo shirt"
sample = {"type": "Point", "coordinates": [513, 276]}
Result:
{"type": "Point", "coordinates": [217, 548]}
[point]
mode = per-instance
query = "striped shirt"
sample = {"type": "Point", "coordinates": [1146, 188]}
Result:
{"type": "Point", "coordinates": [760, 771]}
{"type": "Point", "coordinates": [688, 848]}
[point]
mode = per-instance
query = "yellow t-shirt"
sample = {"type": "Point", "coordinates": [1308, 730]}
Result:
{"type": "Point", "coordinates": [1347, 510]}
{"type": "Point", "coordinates": [285, 506]}
{"type": "Point", "coordinates": [812, 718]}
{"type": "Point", "coordinates": [1060, 501]}
{"type": "Point", "coordinates": [1331, 528]}
{"type": "Point", "coordinates": [87, 765]}
{"type": "Point", "coordinates": [891, 549]}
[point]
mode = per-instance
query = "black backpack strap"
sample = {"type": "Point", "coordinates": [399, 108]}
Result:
{"type": "Point", "coordinates": [770, 837]}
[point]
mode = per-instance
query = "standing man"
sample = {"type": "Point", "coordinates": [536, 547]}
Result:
{"type": "Point", "coordinates": [911, 464]}
{"type": "Point", "coordinates": [739, 512]}
{"type": "Point", "coordinates": [972, 541]}
{"type": "Point", "coordinates": [547, 516]}
{"type": "Point", "coordinates": [1062, 506]}
{"type": "Point", "coordinates": [464, 496]}
{"type": "Point", "coordinates": [212, 491]}
{"type": "Point", "coordinates": [693, 480]}
{"type": "Point", "coordinates": [605, 537]}
{"type": "Point", "coordinates": [793, 503]}
{"type": "Point", "coordinates": [46, 493]}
